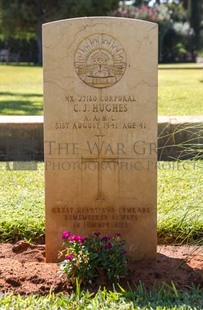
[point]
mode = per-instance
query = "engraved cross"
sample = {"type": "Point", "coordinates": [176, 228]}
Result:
{"type": "Point", "coordinates": [99, 160]}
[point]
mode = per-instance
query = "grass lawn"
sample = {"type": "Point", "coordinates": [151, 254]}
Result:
{"type": "Point", "coordinates": [21, 203]}
{"type": "Point", "coordinates": [180, 200]}
{"type": "Point", "coordinates": [180, 196]}
{"type": "Point", "coordinates": [180, 219]}
{"type": "Point", "coordinates": [20, 90]}
{"type": "Point", "coordinates": [180, 91]}
{"type": "Point", "coordinates": [141, 299]}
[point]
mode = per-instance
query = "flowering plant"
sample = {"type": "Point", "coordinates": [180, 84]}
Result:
{"type": "Point", "coordinates": [86, 257]}
{"type": "Point", "coordinates": [157, 13]}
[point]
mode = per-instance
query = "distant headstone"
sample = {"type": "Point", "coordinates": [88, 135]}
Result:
{"type": "Point", "coordinates": [100, 109]}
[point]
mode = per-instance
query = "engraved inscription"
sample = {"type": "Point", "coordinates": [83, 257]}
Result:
{"type": "Point", "coordinates": [98, 112]}
{"type": "Point", "coordinates": [116, 98]}
{"type": "Point", "coordinates": [109, 123]}
{"type": "Point", "coordinates": [100, 60]}
{"type": "Point", "coordinates": [102, 218]}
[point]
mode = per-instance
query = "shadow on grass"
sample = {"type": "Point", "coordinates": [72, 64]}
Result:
{"type": "Point", "coordinates": [20, 107]}
{"type": "Point", "coordinates": [20, 94]}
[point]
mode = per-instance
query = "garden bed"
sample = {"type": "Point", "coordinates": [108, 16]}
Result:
{"type": "Point", "coordinates": [23, 270]}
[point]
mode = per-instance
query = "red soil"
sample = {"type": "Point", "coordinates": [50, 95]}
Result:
{"type": "Point", "coordinates": [23, 269]}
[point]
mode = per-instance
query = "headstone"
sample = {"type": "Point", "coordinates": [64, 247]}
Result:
{"type": "Point", "coordinates": [100, 95]}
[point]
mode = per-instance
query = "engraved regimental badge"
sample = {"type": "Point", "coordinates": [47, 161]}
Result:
{"type": "Point", "coordinates": [100, 60]}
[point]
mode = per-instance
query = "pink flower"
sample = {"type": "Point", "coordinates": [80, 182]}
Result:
{"type": "Point", "coordinates": [69, 257]}
{"type": "Point", "coordinates": [77, 238]}
{"type": "Point", "coordinates": [117, 234]}
{"type": "Point", "coordinates": [106, 238]}
{"type": "Point", "coordinates": [108, 246]}
{"type": "Point", "coordinates": [65, 235]}
{"type": "Point", "coordinates": [97, 234]}
{"type": "Point", "coordinates": [124, 251]}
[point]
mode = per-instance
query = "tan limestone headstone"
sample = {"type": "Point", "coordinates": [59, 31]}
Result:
{"type": "Point", "coordinates": [100, 110]}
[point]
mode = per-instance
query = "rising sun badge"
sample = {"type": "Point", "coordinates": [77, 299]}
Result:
{"type": "Point", "coordinates": [100, 60]}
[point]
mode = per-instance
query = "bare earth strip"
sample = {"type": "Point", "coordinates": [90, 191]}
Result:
{"type": "Point", "coordinates": [23, 270]}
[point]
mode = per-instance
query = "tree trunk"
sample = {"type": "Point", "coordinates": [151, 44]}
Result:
{"type": "Point", "coordinates": [40, 9]}
{"type": "Point", "coordinates": [39, 41]}
{"type": "Point", "coordinates": [196, 12]}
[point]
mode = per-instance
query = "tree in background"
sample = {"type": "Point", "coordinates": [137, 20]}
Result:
{"type": "Point", "coordinates": [180, 22]}
{"type": "Point", "coordinates": [196, 19]}
{"type": "Point", "coordinates": [158, 14]}
{"type": "Point", "coordinates": [193, 11]}
{"type": "Point", "coordinates": [179, 25]}
{"type": "Point", "coordinates": [24, 18]}
{"type": "Point", "coordinates": [194, 16]}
